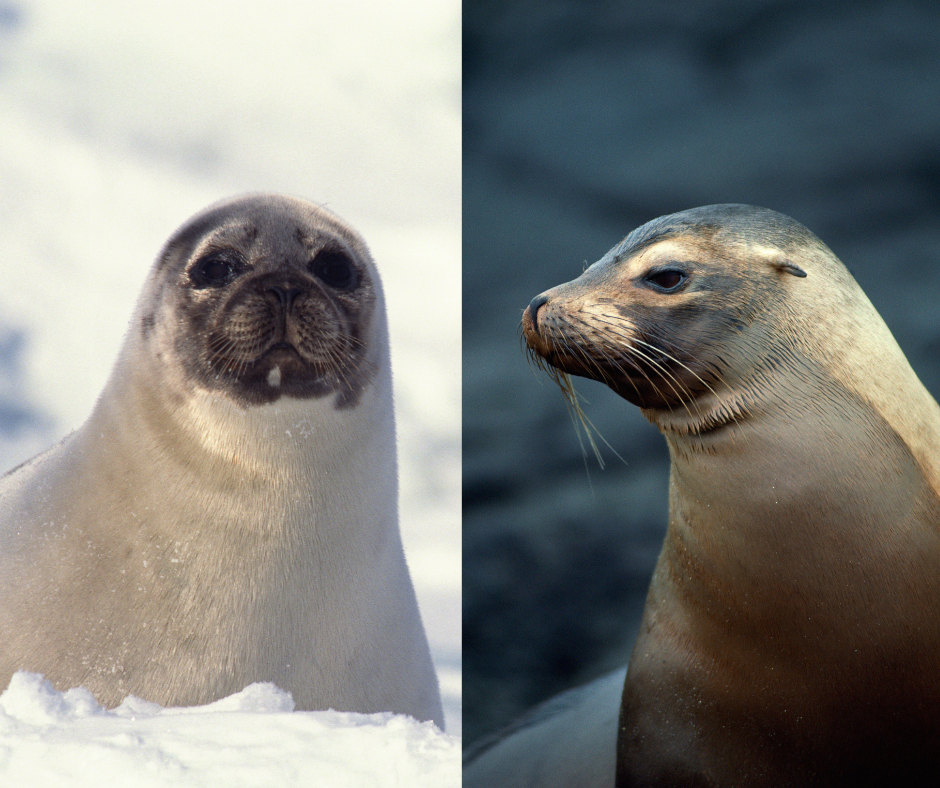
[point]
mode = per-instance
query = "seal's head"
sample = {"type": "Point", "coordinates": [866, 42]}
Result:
{"type": "Point", "coordinates": [264, 297]}
{"type": "Point", "coordinates": [667, 315]}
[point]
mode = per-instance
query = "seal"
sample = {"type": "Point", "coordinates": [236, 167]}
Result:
{"type": "Point", "coordinates": [793, 619]}
{"type": "Point", "coordinates": [229, 512]}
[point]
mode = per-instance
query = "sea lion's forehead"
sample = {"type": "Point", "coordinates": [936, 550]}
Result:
{"type": "Point", "coordinates": [673, 248]}
{"type": "Point", "coordinates": [727, 224]}
{"type": "Point", "coordinates": [683, 250]}
{"type": "Point", "coordinates": [707, 245]}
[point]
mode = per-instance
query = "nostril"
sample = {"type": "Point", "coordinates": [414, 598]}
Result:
{"type": "Point", "coordinates": [286, 295]}
{"type": "Point", "coordinates": [534, 306]}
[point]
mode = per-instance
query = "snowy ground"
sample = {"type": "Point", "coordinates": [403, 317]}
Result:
{"type": "Point", "coordinates": [250, 739]}
{"type": "Point", "coordinates": [119, 121]}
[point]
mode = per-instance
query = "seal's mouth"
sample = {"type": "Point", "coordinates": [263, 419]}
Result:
{"type": "Point", "coordinates": [277, 352]}
{"type": "Point", "coordinates": [283, 363]}
{"type": "Point", "coordinates": [280, 349]}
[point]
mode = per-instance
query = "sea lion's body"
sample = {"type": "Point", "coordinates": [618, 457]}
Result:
{"type": "Point", "coordinates": [228, 513]}
{"type": "Point", "coordinates": [792, 628]}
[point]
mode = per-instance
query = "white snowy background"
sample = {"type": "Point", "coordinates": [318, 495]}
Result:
{"type": "Point", "coordinates": [118, 121]}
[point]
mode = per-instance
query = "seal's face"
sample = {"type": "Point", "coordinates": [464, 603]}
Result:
{"type": "Point", "coordinates": [269, 297]}
{"type": "Point", "coordinates": [664, 317]}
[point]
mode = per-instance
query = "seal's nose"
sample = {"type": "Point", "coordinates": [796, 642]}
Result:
{"type": "Point", "coordinates": [534, 306]}
{"type": "Point", "coordinates": [286, 295]}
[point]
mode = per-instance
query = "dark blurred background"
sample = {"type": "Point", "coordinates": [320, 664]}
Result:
{"type": "Point", "coordinates": [582, 120]}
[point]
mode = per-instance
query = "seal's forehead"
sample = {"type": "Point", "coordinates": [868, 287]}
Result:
{"type": "Point", "coordinates": [273, 217]}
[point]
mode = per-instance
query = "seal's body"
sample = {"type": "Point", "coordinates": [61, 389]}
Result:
{"type": "Point", "coordinates": [792, 627]}
{"type": "Point", "coordinates": [228, 513]}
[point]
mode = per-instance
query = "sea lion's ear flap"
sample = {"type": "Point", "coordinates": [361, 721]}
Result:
{"type": "Point", "coordinates": [789, 268]}
{"type": "Point", "coordinates": [776, 259]}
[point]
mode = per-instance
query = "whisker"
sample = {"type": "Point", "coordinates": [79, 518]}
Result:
{"type": "Point", "coordinates": [658, 349]}
{"type": "Point", "coordinates": [566, 385]}
{"type": "Point", "coordinates": [681, 393]}
{"type": "Point", "coordinates": [576, 414]}
{"type": "Point", "coordinates": [637, 345]}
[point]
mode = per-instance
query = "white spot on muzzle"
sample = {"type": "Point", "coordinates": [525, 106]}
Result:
{"type": "Point", "coordinates": [274, 377]}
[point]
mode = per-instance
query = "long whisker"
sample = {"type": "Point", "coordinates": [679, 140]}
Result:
{"type": "Point", "coordinates": [677, 361]}
{"type": "Point", "coordinates": [611, 321]}
{"type": "Point", "coordinates": [575, 412]}
{"type": "Point", "coordinates": [636, 343]}
{"type": "Point", "coordinates": [563, 379]}
{"type": "Point", "coordinates": [681, 393]}
{"type": "Point", "coordinates": [718, 375]}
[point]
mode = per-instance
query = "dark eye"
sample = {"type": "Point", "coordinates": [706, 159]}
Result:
{"type": "Point", "coordinates": [668, 280]}
{"type": "Point", "coordinates": [335, 269]}
{"type": "Point", "coordinates": [213, 271]}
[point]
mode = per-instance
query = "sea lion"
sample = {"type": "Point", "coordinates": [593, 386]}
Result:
{"type": "Point", "coordinates": [792, 627]}
{"type": "Point", "coordinates": [229, 512]}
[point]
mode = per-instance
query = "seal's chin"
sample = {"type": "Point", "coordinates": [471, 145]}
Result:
{"type": "Point", "coordinates": [282, 364]}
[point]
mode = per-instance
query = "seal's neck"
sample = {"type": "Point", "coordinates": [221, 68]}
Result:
{"type": "Point", "coordinates": [283, 464]}
{"type": "Point", "coordinates": [218, 435]}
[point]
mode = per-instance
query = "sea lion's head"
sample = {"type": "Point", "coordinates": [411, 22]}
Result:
{"type": "Point", "coordinates": [263, 297]}
{"type": "Point", "coordinates": [678, 309]}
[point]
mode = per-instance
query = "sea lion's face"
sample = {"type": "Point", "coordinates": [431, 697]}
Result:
{"type": "Point", "coordinates": [659, 325]}
{"type": "Point", "coordinates": [266, 297]}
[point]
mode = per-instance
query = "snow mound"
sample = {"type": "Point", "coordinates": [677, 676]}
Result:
{"type": "Point", "coordinates": [252, 738]}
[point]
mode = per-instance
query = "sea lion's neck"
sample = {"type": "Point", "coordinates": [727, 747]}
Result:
{"type": "Point", "coordinates": [728, 407]}
{"type": "Point", "coordinates": [792, 584]}
{"type": "Point", "coordinates": [774, 514]}
{"type": "Point", "coordinates": [811, 367]}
